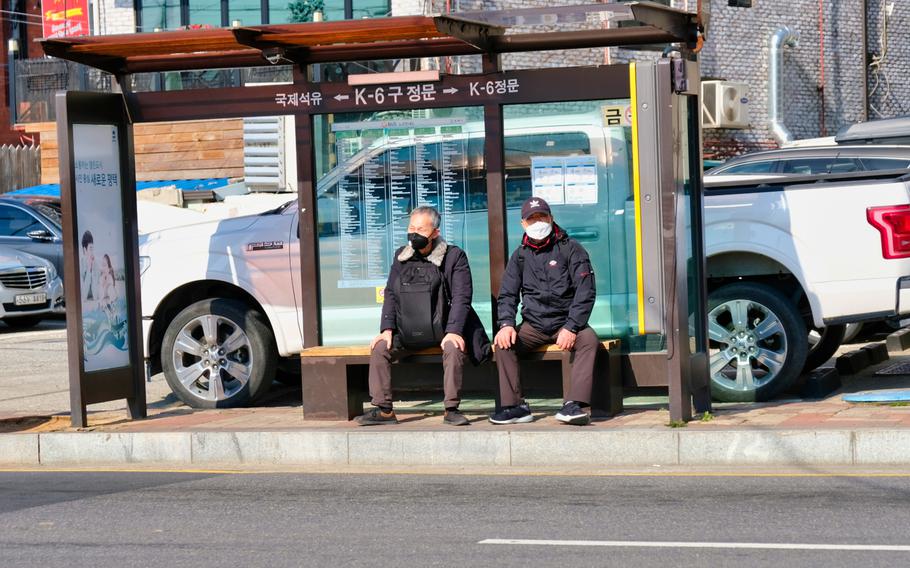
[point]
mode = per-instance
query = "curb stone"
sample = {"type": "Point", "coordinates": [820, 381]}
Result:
{"type": "Point", "coordinates": [626, 447]}
{"type": "Point", "coordinates": [19, 449]}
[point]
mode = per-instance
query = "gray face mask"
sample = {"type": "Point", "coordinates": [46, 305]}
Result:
{"type": "Point", "coordinates": [539, 230]}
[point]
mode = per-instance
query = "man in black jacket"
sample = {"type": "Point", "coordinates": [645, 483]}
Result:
{"type": "Point", "coordinates": [462, 333]}
{"type": "Point", "coordinates": [551, 274]}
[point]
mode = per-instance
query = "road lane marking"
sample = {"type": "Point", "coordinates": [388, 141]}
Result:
{"type": "Point", "coordinates": [718, 545]}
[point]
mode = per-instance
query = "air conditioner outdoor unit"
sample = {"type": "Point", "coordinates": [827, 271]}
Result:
{"type": "Point", "coordinates": [724, 104]}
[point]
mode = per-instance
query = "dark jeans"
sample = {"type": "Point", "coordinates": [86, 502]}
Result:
{"type": "Point", "coordinates": [381, 359]}
{"type": "Point", "coordinates": [529, 338]}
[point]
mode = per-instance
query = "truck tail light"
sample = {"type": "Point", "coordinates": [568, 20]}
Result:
{"type": "Point", "coordinates": [893, 222]}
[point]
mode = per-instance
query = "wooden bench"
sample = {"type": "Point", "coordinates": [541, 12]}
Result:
{"type": "Point", "coordinates": [335, 386]}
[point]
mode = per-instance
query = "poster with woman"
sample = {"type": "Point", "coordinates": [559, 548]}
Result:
{"type": "Point", "coordinates": [102, 274]}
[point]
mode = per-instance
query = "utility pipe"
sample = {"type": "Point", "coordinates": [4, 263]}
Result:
{"type": "Point", "coordinates": [783, 37]}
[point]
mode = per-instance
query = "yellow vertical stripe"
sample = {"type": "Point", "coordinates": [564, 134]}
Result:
{"type": "Point", "coordinates": [636, 197]}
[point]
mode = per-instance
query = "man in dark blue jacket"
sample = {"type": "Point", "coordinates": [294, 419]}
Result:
{"type": "Point", "coordinates": [550, 273]}
{"type": "Point", "coordinates": [461, 332]}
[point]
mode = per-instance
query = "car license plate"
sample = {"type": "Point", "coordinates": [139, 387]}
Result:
{"type": "Point", "coordinates": [29, 299]}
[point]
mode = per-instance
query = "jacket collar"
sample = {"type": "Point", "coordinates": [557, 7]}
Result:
{"type": "Point", "coordinates": [436, 255]}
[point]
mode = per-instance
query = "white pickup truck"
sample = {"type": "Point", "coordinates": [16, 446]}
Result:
{"type": "Point", "coordinates": [820, 250]}
{"type": "Point", "coordinates": [221, 299]}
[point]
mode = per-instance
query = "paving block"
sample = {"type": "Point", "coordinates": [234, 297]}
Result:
{"type": "Point", "coordinates": [751, 447]}
{"type": "Point", "coordinates": [19, 449]}
{"type": "Point", "coordinates": [878, 353]}
{"type": "Point", "coordinates": [429, 448]}
{"type": "Point", "coordinates": [852, 363]}
{"type": "Point", "coordinates": [820, 383]}
{"type": "Point", "coordinates": [898, 341]}
{"type": "Point", "coordinates": [584, 446]}
{"type": "Point", "coordinates": [66, 448]}
{"type": "Point", "coordinates": [882, 447]}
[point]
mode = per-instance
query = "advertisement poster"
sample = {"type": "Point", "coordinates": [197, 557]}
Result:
{"type": "Point", "coordinates": [102, 272]}
{"type": "Point", "coordinates": [64, 18]}
{"type": "Point", "coordinates": [548, 178]}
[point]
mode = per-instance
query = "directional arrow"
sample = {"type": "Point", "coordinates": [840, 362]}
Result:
{"type": "Point", "coordinates": [450, 91]}
{"type": "Point", "coordinates": [341, 97]}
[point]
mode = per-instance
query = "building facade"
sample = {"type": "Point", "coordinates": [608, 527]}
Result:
{"type": "Point", "coordinates": [850, 64]}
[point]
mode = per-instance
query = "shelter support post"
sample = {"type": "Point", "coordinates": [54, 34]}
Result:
{"type": "Point", "coordinates": [496, 203]}
{"type": "Point", "coordinates": [672, 203]}
{"type": "Point", "coordinates": [671, 265]}
{"type": "Point", "coordinates": [307, 225]}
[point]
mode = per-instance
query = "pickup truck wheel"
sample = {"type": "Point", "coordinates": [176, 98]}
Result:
{"type": "Point", "coordinates": [758, 342]}
{"type": "Point", "coordinates": [218, 353]}
{"type": "Point", "coordinates": [823, 343]}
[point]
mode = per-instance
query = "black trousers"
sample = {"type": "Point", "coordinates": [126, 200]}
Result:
{"type": "Point", "coordinates": [529, 338]}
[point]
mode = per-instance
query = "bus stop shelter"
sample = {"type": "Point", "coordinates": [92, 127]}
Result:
{"type": "Point", "coordinates": [615, 148]}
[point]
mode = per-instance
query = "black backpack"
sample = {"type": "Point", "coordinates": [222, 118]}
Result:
{"type": "Point", "coordinates": [423, 305]}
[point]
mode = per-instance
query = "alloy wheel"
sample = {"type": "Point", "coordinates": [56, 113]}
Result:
{"type": "Point", "coordinates": [212, 357]}
{"type": "Point", "coordinates": [748, 345]}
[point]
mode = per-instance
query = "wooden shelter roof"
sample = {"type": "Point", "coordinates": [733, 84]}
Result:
{"type": "Point", "coordinates": [379, 38]}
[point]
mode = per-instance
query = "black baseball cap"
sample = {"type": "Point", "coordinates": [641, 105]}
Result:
{"type": "Point", "coordinates": [534, 205]}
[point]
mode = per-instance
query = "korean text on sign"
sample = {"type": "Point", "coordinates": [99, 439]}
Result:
{"type": "Point", "coordinates": [299, 99]}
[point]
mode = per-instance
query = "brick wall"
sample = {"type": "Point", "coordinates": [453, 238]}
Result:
{"type": "Point", "coordinates": [28, 48]}
{"type": "Point", "coordinates": [737, 49]}
{"type": "Point", "coordinates": [889, 88]}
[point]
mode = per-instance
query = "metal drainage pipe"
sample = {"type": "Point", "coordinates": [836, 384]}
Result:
{"type": "Point", "coordinates": [782, 37]}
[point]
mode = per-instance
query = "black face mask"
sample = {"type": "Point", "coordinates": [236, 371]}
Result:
{"type": "Point", "coordinates": [418, 241]}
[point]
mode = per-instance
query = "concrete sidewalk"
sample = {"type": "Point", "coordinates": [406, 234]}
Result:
{"type": "Point", "coordinates": [828, 432]}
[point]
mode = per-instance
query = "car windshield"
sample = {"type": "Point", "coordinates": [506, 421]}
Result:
{"type": "Point", "coordinates": [51, 214]}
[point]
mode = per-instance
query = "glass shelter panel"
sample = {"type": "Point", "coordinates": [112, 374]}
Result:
{"type": "Point", "coordinates": [247, 12]}
{"type": "Point", "coordinates": [205, 12]}
{"type": "Point", "coordinates": [577, 156]}
{"type": "Point", "coordinates": [692, 215]}
{"type": "Point", "coordinates": [372, 172]}
{"type": "Point", "coordinates": [161, 14]}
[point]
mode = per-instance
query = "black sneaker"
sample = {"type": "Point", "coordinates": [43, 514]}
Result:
{"type": "Point", "coordinates": [376, 416]}
{"type": "Point", "coordinates": [454, 417]}
{"type": "Point", "coordinates": [572, 413]}
{"type": "Point", "coordinates": [512, 415]}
